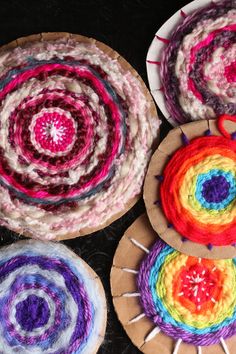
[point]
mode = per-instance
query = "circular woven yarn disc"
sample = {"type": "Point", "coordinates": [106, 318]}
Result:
{"type": "Point", "coordinates": [191, 62]}
{"type": "Point", "coordinates": [77, 130]}
{"type": "Point", "coordinates": [205, 172]}
{"type": "Point", "coordinates": [51, 301]}
{"type": "Point", "coordinates": [131, 262]}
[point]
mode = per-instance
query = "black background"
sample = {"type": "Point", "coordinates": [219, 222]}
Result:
{"type": "Point", "coordinates": [128, 26]}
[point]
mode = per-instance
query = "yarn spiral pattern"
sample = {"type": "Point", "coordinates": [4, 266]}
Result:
{"type": "Point", "coordinates": [49, 302]}
{"type": "Point", "coordinates": [75, 137]}
{"type": "Point", "coordinates": [198, 192]}
{"type": "Point", "coordinates": [188, 298]}
{"type": "Point", "coordinates": [198, 65]}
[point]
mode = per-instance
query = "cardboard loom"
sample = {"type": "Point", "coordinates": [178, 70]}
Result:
{"type": "Point", "coordinates": [128, 255]}
{"type": "Point", "coordinates": [168, 146]}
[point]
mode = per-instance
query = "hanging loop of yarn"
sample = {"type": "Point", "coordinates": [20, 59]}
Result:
{"type": "Point", "coordinates": [220, 123]}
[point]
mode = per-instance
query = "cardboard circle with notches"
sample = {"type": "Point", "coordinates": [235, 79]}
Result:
{"type": "Point", "coordinates": [126, 263]}
{"type": "Point", "coordinates": [27, 41]}
{"type": "Point", "coordinates": [159, 222]}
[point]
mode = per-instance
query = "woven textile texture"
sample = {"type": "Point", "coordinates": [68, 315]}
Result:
{"type": "Point", "coordinates": [198, 64]}
{"type": "Point", "coordinates": [198, 188]}
{"type": "Point", "coordinates": [49, 302]}
{"type": "Point", "coordinates": [75, 137]}
{"type": "Point", "coordinates": [188, 298]}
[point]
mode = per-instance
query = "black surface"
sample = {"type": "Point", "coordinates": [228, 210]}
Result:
{"type": "Point", "coordinates": [128, 26]}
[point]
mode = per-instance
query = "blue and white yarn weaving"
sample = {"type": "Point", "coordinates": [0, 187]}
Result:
{"type": "Point", "coordinates": [50, 301]}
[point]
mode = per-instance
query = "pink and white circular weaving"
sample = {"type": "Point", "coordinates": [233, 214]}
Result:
{"type": "Point", "coordinates": [76, 129]}
{"type": "Point", "coordinates": [191, 62]}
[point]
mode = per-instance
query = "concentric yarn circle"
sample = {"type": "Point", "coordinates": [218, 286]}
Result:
{"type": "Point", "coordinates": [77, 126]}
{"type": "Point", "coordinates": [194, 188]}
{"type": "Point", "coordinates": [198, 64]}
{"type": "Point", "coordinates": [169, 302]}
{"type": "Point", "coordinates": [202, 190]}
{"type": "Point", "coordinates": [189, 298]}
{"type": "Point", "coordinates": [51, 301]}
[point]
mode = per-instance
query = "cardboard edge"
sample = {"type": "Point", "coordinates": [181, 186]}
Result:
{"type": "Point", "coordinates": [123, 307]}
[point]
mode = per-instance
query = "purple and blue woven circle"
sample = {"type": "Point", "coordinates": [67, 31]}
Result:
{"type": "Point", "coordinates": [45, 304]}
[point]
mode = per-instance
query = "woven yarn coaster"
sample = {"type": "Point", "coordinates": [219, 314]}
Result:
{"type": "Point", "coordinates": [169, 302]}
{"type": "Point", "coordinates": [51, 301]}
{"type": "Point", "coordinates": [191, 62]}
{"type": "Point", "coordinates": [190, 188]}
{"type": "Point", "coordinates": [77, 125]}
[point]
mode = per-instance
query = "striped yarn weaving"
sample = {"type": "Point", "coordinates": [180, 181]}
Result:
{"type": "Point", "coordinates": [49, 301]}
{"type": "Point", "coordinates": [188, 298]}
{"type": "Point", "coordinates": [198, 64]}
{"type": "Point", "coordinates": [76, 131]}
{"type": "Point", "coordinates": [198, 189]}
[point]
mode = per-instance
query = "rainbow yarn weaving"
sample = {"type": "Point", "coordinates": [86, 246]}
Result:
{"type": "Point", "coordinates": [170, 302]}
{"type": "Point", "coordinates": [198, 64]}
{"type": "Point", "coordinates": [50, 302]}
{"type": "Point", "coordinates": [188, 298]}
{"type": "Point", "coordinates": [198, 191]}
{"type": "Point", "coordinates": [76, 129]}
{"type": "Point", "coordinates": [190, 188]}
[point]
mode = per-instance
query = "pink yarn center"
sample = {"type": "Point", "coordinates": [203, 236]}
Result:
{"type": "Point", "coordinates": [54, 132]}
{"type": "Point", "coordinates": [230, 72]}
